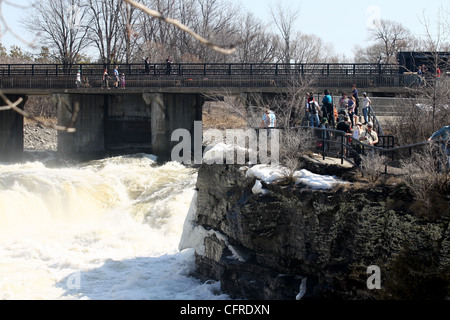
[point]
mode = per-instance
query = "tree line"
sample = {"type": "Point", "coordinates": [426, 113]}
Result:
{"type": "Point", "coordinates": [114, 31]}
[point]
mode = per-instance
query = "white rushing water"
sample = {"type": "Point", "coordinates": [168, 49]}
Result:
{"type": "Point", "coordinates": [106, 229]}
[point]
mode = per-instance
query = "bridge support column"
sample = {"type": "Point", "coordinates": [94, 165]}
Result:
{"type": "Point", "coordinates": [125, 122]}
{"type": "Point", "coordinates": [11, 131]}
{"type": "Point", "coordinates": [89, 123]}
{"type": "Point", "coordinates": [160, 137]}
{"type": "Point", "coordinates": [171, 111]}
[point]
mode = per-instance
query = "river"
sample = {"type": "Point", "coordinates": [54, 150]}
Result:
{"type": "Point", "coordinates": [98, 230]}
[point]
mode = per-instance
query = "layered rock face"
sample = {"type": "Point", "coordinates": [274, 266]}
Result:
{"type": "Point", "coordinates": [295, 242]}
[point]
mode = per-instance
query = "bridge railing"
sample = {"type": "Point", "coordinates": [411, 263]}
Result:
{"type": "Point", "coordinates": [334, 143]}
{"type": "Point", "coordinates": [206, 69]}
{"type": "Point", "coordinates": [221, 81]}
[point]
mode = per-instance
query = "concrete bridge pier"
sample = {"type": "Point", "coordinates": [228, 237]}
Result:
{"type": "Point", "coordinates": [11, 130]}
{"type": "Point", "coordinates": [169, 112]}
{"type": "Point", "coordinates": [131, 122]}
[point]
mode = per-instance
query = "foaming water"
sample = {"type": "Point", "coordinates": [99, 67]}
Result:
{"type": "Point", "coordinates": [106, 229]}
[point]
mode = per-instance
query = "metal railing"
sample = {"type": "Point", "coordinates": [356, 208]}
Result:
{"type": "Point", "coordinates": [204, 69]}
{"type": "Point", "coordinates": [337, 143]}
{"type": "Point", "coordinates": [204, 75]}
{"type": "Point", "coordinates": [222, 81]}
{"type": "Point", "coordinates": [344, 147]}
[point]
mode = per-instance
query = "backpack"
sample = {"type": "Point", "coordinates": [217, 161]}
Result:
{"type": "Point", "coordinates": [313, 107]}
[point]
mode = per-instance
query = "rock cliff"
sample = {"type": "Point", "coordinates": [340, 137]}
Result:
{"type": "Point", "coordinates": [296, 242]}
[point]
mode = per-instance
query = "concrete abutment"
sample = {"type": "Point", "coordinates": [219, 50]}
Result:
{"type": "Point", "coordinates": [11, 129]}
{"type": "Point", "coordinates": [125, 122]}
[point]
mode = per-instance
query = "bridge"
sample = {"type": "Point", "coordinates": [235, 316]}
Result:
{"type": "Point", "coordinates": [267, 77]}
{"type": "Point", "coordinates": [156, 102]}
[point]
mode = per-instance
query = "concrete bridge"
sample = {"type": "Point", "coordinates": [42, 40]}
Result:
{"type": "Point", "coordinates": [153, 104]}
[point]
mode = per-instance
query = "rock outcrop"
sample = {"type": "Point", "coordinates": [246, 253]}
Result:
{"type": "Point", "coordinates": [295, 242]}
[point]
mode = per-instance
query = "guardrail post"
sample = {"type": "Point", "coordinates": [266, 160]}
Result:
{"type": "Point", "coordinates": [323, 144]}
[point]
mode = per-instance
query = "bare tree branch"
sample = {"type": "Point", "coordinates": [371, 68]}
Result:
{"type": "Point", "coordinates": [11, 105]}
{"type": "Point", "coordinates": [182, 27]}
{"type": "Point", "coordinates": [6, 26]}
{"type": "Point", "coordinates": [14, 106]}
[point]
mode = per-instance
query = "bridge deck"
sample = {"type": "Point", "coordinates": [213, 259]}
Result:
{"type": "Point", "coordinates": [270, 77]}
{"type": "Point", "coordinates": [233, 91]}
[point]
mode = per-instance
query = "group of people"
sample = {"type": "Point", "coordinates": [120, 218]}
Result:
{"type": "Point", "coordinates": [167, 71]}
{"type": "Point", "coordinates": [344, 118]}
{"type": "Point", "coordinates": [119, 79]}
{"type": "Point", "coordinates": [424, 73]}
{"type": "Point", "coordinates": [348, 106]}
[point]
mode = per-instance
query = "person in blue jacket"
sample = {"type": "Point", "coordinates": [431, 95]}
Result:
{"type": "Point", "coordinates": [444, 134]}
{"type": "Point", "coordinates": [328, 111]}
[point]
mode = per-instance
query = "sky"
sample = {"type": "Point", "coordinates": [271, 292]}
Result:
{"type": "Point", "coordinates": [343, 24]}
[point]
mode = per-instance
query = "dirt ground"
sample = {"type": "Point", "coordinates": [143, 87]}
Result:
{"type": "Point", "coordinates": [37, 137]}
{"type": "Point", "coordinates": [216, 116]}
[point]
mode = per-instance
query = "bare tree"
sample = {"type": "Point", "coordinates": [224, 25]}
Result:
{"type": "Point", "coordinates": [436, 39]}
{"type": "Point", "coordinates": [284, 19]}
{"type": "Point", "coordinates": [309, 48]}
{"type": "Point", "coordinates": [215, 20]}
{"type": "Point", "coordinates": [130, 18]}
{"type": "Point", "coordinates": [164, 34]}
{"type": "Point", "coordinates": [391, 37]}
{"type": "Point", "coordinates": [105, 28]}
{"type": "Point", "coordinates": [256, 45]}
{"type": "Point", "coordinates": [428, 178]}
{"type": "Point", "coordinates": [60, 25]}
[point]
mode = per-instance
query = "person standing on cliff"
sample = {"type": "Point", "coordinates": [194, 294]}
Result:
{"type": "Point", "coordinates": [369, 137]}
{"type": "Point", "coordinates": [313, 110]}
{"type": "Point", "coordinates": [357, 133]}
{"type": "Point", "coordinates": [269, 120]}
{"type": "Point", "coordinates": [328, 111]}
{"type": "Point", "coordinates": [367, 103]}
{"type": "Point", "coordinates": [344, 126]}
{"type": "Point", "coordinates": [444, 134]}
{"type": "Point", "coordinates": [355, 95]}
